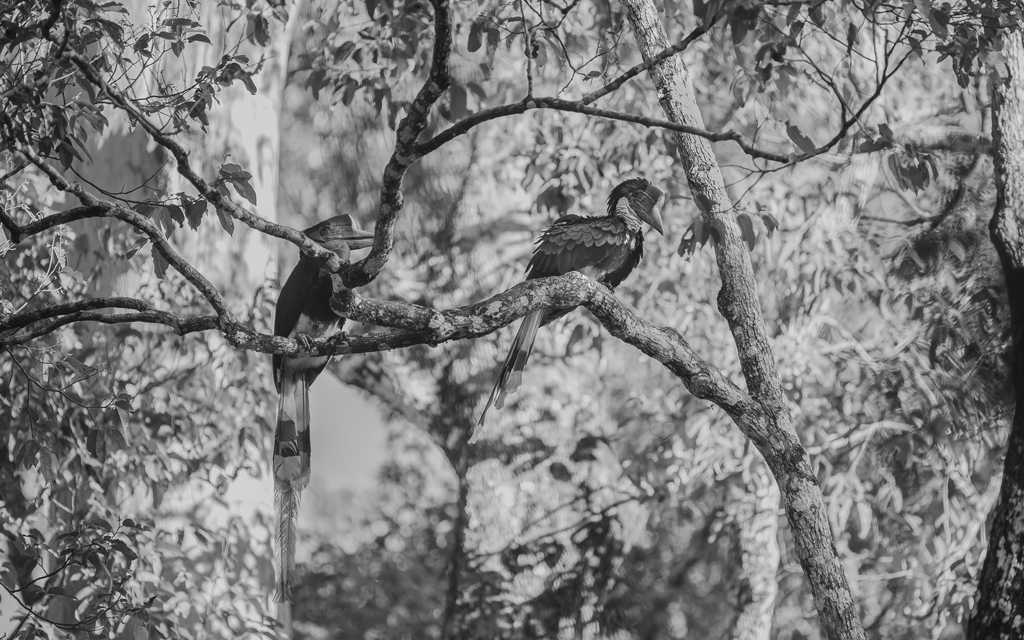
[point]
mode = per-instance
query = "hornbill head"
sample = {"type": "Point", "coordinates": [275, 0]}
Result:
{"type": "Point", "coordinates": [639, 197]}
{"type": "Point", "coordinates": [340, 235]}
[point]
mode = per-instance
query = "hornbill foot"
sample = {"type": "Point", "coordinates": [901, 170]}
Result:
{"type": "Point", "coordinates": [305, 340]}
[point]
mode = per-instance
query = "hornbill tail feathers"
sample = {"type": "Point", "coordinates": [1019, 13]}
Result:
{"type": "Point", "coordinates": [511, 375]}
{"type": "Point", "coordinates": [291, 473]}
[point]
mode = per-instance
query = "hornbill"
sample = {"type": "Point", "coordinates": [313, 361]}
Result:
{"type": "Point", "coordinates": [606, 248]}
{"type": "Point", "coordinates": [304, 313]}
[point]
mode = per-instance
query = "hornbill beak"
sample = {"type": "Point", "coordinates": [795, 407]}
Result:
{"type": "Point", "coordinates": [646, 207]}
{"type": "Point", "coordinates": [340, 228]}
{"type": "Point", "coordinates": [359, 239]}
{"type": "Point", "coordinates": [653, 218]}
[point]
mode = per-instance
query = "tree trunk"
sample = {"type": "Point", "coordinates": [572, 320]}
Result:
{"type": "Point", "coordinates": [739, 303]}
{"type": "Point", "coordinates": [757, 514]}
{"type": "Point", "coordinates": [999, 607]}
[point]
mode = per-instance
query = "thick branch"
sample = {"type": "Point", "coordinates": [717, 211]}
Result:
{"type": "Point", "coordinates": [405, 154]}
{"type": "Point", "coordinates": [20, 232]}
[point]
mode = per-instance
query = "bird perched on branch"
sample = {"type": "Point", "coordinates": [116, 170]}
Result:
{"type": "Point", "coordinates": [304, 313]}
{"type": "Point", "coordinates": [606, 248]}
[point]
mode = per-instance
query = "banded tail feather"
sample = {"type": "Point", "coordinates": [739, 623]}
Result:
{"type": "Point", "coordinates": [291, 473]}
{"type": "Point", "coordinates": [511, 375]}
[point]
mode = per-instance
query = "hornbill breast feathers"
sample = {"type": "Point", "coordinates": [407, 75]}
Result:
{"type": "Point", "coordinates": [303, 312]}
{"type": "Point", "coordinates": [606, 248]}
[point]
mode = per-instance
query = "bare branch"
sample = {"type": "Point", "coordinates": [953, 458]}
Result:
{"type": "Point", "coordinates": [667, 53]}
{"type": "Point", "coordinates": [558, 104]}
{"type": "Point", "coordinates": [28, 317]}
{"type": "Point", "coordinates": [406, 152]}
{"type": "Point", "coordinates": [179, 324]}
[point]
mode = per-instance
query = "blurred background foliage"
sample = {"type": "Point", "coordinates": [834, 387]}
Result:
{"type": "Point", "coordinates": [600, 502]}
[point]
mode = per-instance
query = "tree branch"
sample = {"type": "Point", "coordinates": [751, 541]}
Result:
{"type": "Point", "coordinates": [665, 54]}
{"type": "Point", "coordinates": [579, 106]}
{"type": "Point", "coordinates": [406, 152]}
{"type": "Point", "coordinates": [180, 325]}
{"type": "Point", "coordinates": [160, 243]}
{"type": "Point", "coordinates": [218, 199]}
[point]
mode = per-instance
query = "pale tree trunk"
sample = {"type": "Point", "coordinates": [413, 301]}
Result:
{"type": "Point", "coordinates": [739, 303]}
{"type": "Point", "coordinates": [757, 515]}
{"type": "Point", "coordinates": [999, 607]}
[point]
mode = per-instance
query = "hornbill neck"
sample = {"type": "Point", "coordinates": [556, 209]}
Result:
{"type": "Point", "coordinates": [622, 211]}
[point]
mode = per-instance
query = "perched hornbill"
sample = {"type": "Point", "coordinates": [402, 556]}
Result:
{"type": "Point", "coordinates": [303, 312]}
{"type": "Point", "coordinates": [606, 248]}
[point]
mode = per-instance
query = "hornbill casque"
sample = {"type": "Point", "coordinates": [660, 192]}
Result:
{"type": "Point", "coordinates": [304, 313]}
{"type": "Point", "coordinates": [606, 248]}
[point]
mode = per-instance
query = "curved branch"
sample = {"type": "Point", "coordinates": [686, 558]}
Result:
{"type": "Point", "coordinates": [405, 154]}
{"type": "Point", "coordinates": [667, 53]}
{"type": "Point", "coordinates": [578, 106]}
{"type": "Point", "coordinates": [160, 243]}
{"type": "Point", "coordinates": [180, 325]}
{"type": "Point", "coordinates": [180, 154]}
{"type": "Point", "coordinates": [26, 318]}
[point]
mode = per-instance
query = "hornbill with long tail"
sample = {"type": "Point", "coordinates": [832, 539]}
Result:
{"type": "Point", "coordinates": [606, 248]}
{"type": "Point", "coordinates": [304, 313]}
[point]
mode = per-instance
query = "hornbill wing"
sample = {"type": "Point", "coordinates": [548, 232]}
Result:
{"type": "Point", "coordinates": [602, 248]}
{"type": "Point", "coordinates": [291, 302]}
{"type": "Point", "coordinates": [597, 247]}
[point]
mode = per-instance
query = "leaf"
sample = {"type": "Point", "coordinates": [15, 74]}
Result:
{"type": "Point", "coordinates": [560, 472]}
{"type": "Point", "coordinates": [806, 144]}
{"type": "Point", "coordinates": [869, 145]}
{"type": "Point", "coordinates": [244, 189]}
{"type": "Point", "coordinates": [258, 30]}
{"type": "Point", "coordinates": [703, 202]}
{"type": "Point", "coordinates": [160, 263]}
{"type": "Point", "coordinates": [477, 90]}
{"type": "Point", "coordinates": [95, 444]}
{"type": "Point", "coordinates": [116, 436]}
{"type": "Point", "coordinates": [458, 102]}
{"type": "Point", "coordinates": [770, 223]}
{"type": "Point", "coordinates": [139, 630]}
{"type": "Point", "coordinates": [540, 53]}
{"type": "Point", "coordinates": [225, 221]}
{"type": "Point", "coordinates": [852, 36]}
{"type": "Point", "coordinates": [123, 549]}
{"type": "Point", "coordinates": [717, 230]}
{"type": "Point", "coordinates": [344, 51]}
{"type": "Point", "coordinates": [46, 463]}
{"type": "Point", "coordinates": [939, 21]}
{"type": "Point", "coordinates": [194, 212]}
{"type": "Point", "coordinates": [26, 456]}
{"type": "Point", "coordinates": [577, 335]}
{"type": "Point", "coordinates": [817, 13]}
{"type": "Point", "coordinates": [131, 252]}
{"type": "Point", "coordinates": [349, 92]}
{"type": "Point", "coordinates": [747, 230]}
{"type": "Point", "coordinates": [693, 238]}
{"type": "Point", "coordinates": [476, 39]}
